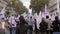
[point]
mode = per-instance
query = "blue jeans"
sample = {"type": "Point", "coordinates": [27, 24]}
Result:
{"type": "Point", "coordinates": [30, 29]}
{"type": "Point", "coordinates": [12, 30]}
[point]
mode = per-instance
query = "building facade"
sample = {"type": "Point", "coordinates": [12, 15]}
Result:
{"type": "Point", "coordinates": [3, 4]}
{"type": "Point", "coordinates": [54, 6]}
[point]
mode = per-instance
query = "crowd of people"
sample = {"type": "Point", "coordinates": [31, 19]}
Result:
{"type": "Point", "coordinates": [20, 25]}
{"type": "Point", "coordinates": [49, 26]}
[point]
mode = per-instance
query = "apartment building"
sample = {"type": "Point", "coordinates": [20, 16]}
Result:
{"type": "Point", "coordinates": [3, 4]}
{"type": "Point", "coordinates": [54, 6]}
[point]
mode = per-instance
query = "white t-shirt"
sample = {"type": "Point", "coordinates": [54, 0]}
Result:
{"type": "Point", "coordinates": [3, 25]}
{"type": "Point", "coordinates": [12, 21]}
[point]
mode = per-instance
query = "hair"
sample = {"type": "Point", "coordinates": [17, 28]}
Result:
{"type": "Point", "coordinates": [2, 18]}
{"type": "Point", "coordinates": [56, 17]}
{"type": "Point", "coordinates": [31, 17]}
{"type": "Point", "coordinates": [47, 17]}
{"type": "Point", "coordinates": [22, 20]}
{"type": "Point", "coordinates": [35, 19]}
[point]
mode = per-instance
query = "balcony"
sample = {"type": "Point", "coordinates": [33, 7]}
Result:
{"type": "Point", "coordinates": [52, 2]}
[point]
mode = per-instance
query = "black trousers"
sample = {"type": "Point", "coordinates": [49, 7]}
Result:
{"type": "Point", "coordinates": [49, 32]}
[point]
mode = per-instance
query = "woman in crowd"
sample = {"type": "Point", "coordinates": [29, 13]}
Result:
{"type": "Point", "coordinates": [21, 28]}
{"type": "Point", "coordinates": [56, 24]}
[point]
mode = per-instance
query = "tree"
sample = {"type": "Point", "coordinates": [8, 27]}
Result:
{"type": "Point", "coordinates": [17, 5]}
{"type": "Point", "coordinates": [37, 5]}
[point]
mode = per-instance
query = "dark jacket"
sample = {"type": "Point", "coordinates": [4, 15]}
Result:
{"type": "Point", "coordinates": [55, 25]}
{"type": "Point", "coordinates": [43, 26]}
{"type": "Point", "coordinates": [21, 29]}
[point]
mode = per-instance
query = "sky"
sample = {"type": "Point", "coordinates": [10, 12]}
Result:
{"type": "Point", "coordinates": [26, 3]}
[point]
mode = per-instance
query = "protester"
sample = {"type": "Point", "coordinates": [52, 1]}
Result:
{"type": "Point", "coordinates": [36, 30]}
{"type": "Point", "coordinates": [22, 26]}
{"type": "Point", "coordinates": [3, 23]}
{"type": "Point", "coordinates": [49, 22]}
{"type": "Point", "coordinates": [28, 25]}
{"type": "Point", "coordinates": [56, 24]}
{"type": "Point", "coordinates": [31, 25]}
{"type": "Point", "coordinates": [16, 18]}
{"type": "Point", "coordinates": [43, 26]}
{"type": "Point", "coordinates": [2, 26]}
{"type": "Point", "coordinates": [12, 24]}
{"type": "Point", "coordinates": [6, 27]}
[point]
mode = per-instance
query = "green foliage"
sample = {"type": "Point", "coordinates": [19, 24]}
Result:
{"type": "Point", "coordinates": [37, 5]}
{"type": "Point", "coordinates": [17, 5]}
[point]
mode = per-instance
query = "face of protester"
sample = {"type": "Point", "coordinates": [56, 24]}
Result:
{"type": "Point", "coordinates": [21, 19]}
{"type": "Point", "coordinates": [43, 19]}
{"type": "Point", "coordinates": [3, 20]}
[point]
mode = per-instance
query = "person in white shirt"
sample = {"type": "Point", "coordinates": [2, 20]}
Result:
{"type": "Point", "coordinates": [30, 23]}
{"type": "Point", "coordinates": [3, 23]}
{"type": "Point", "coordinates": [12, 24]}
